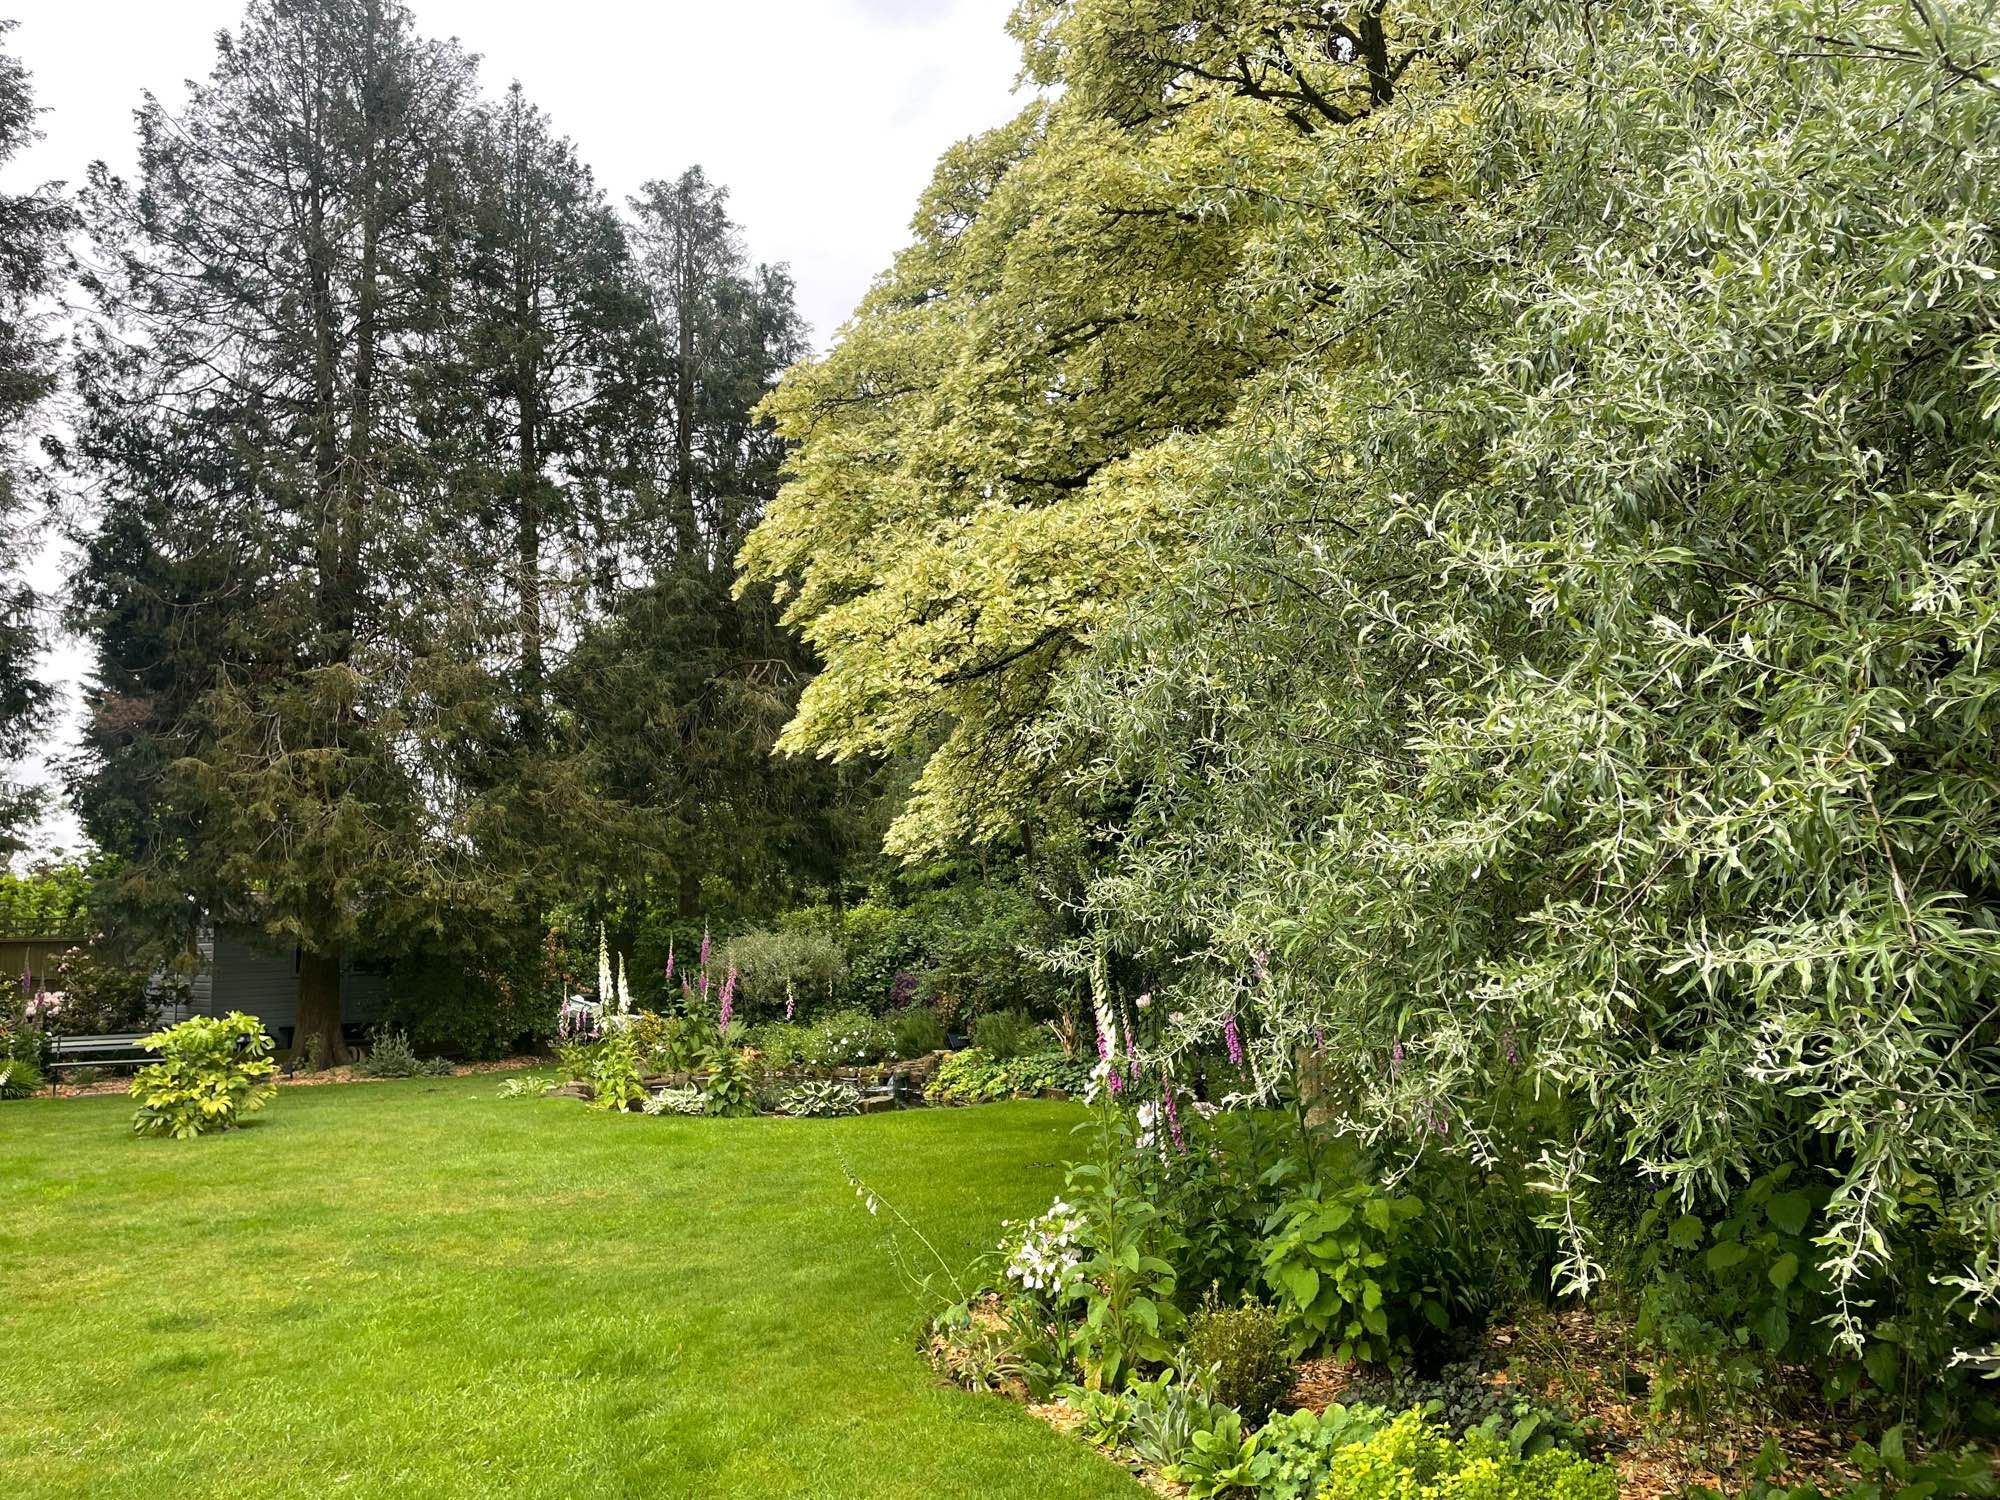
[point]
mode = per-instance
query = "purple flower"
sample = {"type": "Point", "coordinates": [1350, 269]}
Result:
{"type": "Point", "coordinates": [670, 960]}
{"type": "Point", "coordinates": [1173, 1115]}
{"type": "Point", "coordinates": [1319, 1036]}
{"type": "Point", "coordinates": [728, 998]}
{"type": "Point", "coordinates": [704, 947]}
{"type": "Point", "coordinates": [1233, 1039]}
{"type": "Point", "coordinates": [27, 983]}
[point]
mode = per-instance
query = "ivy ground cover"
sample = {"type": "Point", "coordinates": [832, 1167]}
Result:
{"type": "Point", "coordinates": [417, 1288]}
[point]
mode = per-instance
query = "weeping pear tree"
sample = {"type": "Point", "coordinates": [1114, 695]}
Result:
{"type": "Point", "coordinates": [1573, 718]}
{"type": "Point", "coordinates": [989, 462]}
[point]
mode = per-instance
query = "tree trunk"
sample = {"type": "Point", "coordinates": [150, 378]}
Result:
{"type": "Point", "coordinates": [684, 384]}
{"type": "Point", "coordinates": [1375, 52]}
{"type": "Point", "coordinates": [528, 532]}
{"type": "Point", "coordinates": [316, 1035]}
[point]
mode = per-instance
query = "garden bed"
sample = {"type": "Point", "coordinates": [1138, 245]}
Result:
{"type": "Point", "coordinates": [344, 1074]}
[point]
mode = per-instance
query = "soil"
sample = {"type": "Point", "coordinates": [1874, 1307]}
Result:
{"type": "Point", "coordinates": [120, 1083]}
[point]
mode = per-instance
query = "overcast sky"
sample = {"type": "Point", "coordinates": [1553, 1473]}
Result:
{"type": "Point", "coordinates": [823, 117]}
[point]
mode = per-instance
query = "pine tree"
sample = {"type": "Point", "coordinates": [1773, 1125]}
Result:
{"type": "Point", "coordinates": [552, 363]}
{"type": "Point", "coordinates": [680, 687]}
{"type": "Point", "coordinates": [269, 560]}
{"type": "Point", "coordinates": [31, 229]}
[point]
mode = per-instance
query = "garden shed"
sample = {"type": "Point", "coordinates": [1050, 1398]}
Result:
{"type": "Point", "coordinates": [242, 969]}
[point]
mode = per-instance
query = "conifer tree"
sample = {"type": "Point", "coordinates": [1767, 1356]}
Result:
{"type": "Point", "coordinates": [267, 564]}
{"type": "Point", "coordinates": [31, 229]}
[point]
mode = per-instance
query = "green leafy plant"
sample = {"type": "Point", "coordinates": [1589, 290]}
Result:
{"type": "Point", "coordinates": [615, 1073]}
{"type": "Point", "coordinates": [1411, 1459]}
{"type": "Point", "coordinates": [1332, 1259]}
{"type": "Point", "coordinates": [847, 1038]}
{"type": "Point", "coordinates": [576, 1059]}
{"type": "Point", "coordinates": [1044, 1346]}
{"type": "Point", "coordinates": [1004, 1034]}
{"type": "Point", "coordinates": [1219, 1457]}
{"type": "Point", "coordinates": [917, 1032]}
{"type": "Point", "coordinates": [390, 1056]}
{"type": "Point", "coordinates": [1105, 1416]}
{"type": "Point", "coordinates": [212, 1071]}
{"type": "Point", "coordinates": [670, 1101]}
{"type": "Point", "coordinates": [1241, 1354]}
{"type": "Point", "coordinates": [970, 1348]}
{"type": "Point", "coordinates": [1295, 1452]}
{"type": "Point", "coordinates": [1166, 1410]}
{"type": "Point", "coordinates": [1464, 1397]}
{"type": "Point", "coordinates": [1125, 1277]}
{"type": "Point", "coordinates": [972, 1076]}
{"type": "Point", "coordinates": [821, 1099]}
{"type": "Point", "coordinates": [782, 1044]}
{"type": "Point", "coordinates": [731, 1091]}
{"type": "Point", "coordinates": [670, 1044]}
{"type": "Point", "coordinates": [1727, 1299]}
{"type": "Point", "coordinates": [19, 1076]}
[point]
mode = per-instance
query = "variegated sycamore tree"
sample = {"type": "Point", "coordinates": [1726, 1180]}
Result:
{"type": "Point", "coordinates": [991, 459]}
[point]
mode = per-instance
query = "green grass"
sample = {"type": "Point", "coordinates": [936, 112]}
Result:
{"type": "Point", "coordinates": [418, 1289]}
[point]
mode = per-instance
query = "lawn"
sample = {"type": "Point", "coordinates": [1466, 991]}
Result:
{"type": "Point", "coordinates": [418, 1289]}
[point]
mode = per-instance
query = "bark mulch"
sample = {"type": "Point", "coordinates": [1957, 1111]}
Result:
{"type": "Point", "coordinates": [119, 1084]}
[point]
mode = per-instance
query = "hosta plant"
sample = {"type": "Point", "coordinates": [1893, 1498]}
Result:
{"type": "Point", "coordinates": [674, 1102]}
{"type": "Point", "coordinates": [821, 1099]}
{"type": "Point", "coordinates": [212, 1071]}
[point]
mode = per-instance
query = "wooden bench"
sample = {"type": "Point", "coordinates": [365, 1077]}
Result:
{"type": "Point", "coordinates": [117, 1050]}
{"type": "Point", "coordinates": [121, 1050]}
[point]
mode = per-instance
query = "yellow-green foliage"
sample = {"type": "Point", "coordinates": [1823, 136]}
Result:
{"type": "Point", "coordinates": [1412, 1460]}
{"type": "Point", "coordinates": [212, 1071]}
{"type": "Point", "coordinates": [995, 456]}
